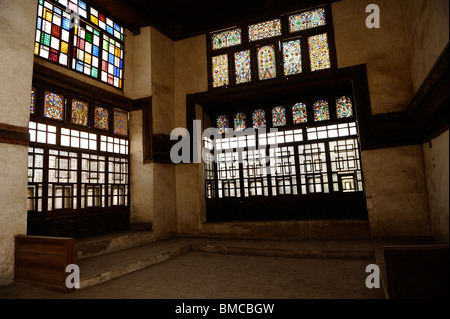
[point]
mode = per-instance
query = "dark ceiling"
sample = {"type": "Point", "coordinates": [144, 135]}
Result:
{"type": "Point", "coordinates": [180, 19]}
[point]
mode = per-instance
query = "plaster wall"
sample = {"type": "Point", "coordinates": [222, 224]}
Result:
{"type": "Point", "coordinates": [383, 50]}
{"type": "Point", "coordinates": [396, 192]}
{"type": "Point", "coordinates": [16, 69]}
{"type": "Point", "coordinates": [436, 159]}
{"type": "Point", "coordinates": [426, 24]}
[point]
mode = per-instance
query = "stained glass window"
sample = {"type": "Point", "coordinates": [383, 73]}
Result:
{"type": "Point", "coordinates": [101, 118]}
{"type": "Point", "coordinates": [120, 122]}
{"type": "Point", "coordinates": [220, 70]}
{"type": "Point", "coordinates": [86, 50]}
{"type": "Point", "coordinates": [259, 118]}
{"type": "Point", "coordinates": [33, 101]}
{"type": "Point", "coordinates": [292, 57]}
{"type": "Point", "coordinates": [112, 62]}
{"type": "Point", "coordinates": [321, 112]}
{"type": "Point", "coordinates": [242, 66]}
{"type": "Point", "coordinates": [80, 113]}
{"type": "Point", "coordinates": [222, 123]}
{"type": "Point", "coordinates": [226, 39]}
{"type": "Point", "coordinates": [318, 52]}
{"type": "Point", "coordinates": [266, 62]}
{"type": "Point", "coordinates": [264, 30]}
{"type": "Point", "coordinates": [299, 114]}
{"type": "Point", "coordinates": [52, 33]}
{"type": "Point", "coordinates": [106, 24]}
{"type": "Point", "coordinates": [307, 20]}
{"type": "Point", "coordinates": [54, 106]}
{"type": "Point", "coordinates": [240, 121]}
{"type": "Point", "coordinates": [344, 107]}
{"type": "Point", "coordinates": [278, 116]}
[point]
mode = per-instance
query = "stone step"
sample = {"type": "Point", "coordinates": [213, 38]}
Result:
{"type": "Point", "coordinates": [110, 243]}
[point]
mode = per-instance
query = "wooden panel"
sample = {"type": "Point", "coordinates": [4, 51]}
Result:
{"type": "Point", "coordinates": [417, 272]}
{"type": "Point", "coordinates": [42, 261]}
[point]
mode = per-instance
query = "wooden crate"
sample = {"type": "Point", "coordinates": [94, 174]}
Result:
{"type": "Point", "coordinates": [42, 260]}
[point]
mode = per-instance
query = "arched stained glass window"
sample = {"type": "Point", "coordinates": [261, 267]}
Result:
{"type": "Point", "coordinates": [33, 101]}
{"type": "Point", "coordinates": [307, 20]}
{"type": "Point", "coordinates": [299, 114]}
{"type": "Point", "coordinates": [344, 107]}
{"type": "Point", "coordinates": [266, 62]}
{"type": "Point", "coordinates": [120, 122]}
{"type": "Point", "coordinates": [259, 118]}
{"type": "Point", "coordinates": [101, 118]}
{"type": "Point", "coordinates": [292, 57]}
{"type": "Point", "coordinates": [242, 67]}
{"type": "Point", "coordinates": [319, 53]}
{"type": "Point", "coordinates": [278, 116]}
{"type": "Point", "coordinates": [240, 121]}
{"type": "Point", "coordinates": [54, 106]}
{"type": "Point", "coordinates": [222, 123]}
{"type": "Point", "coordinates": [321, 112]}
{"type": "Point", "coordinates": [220, 70]}
{"type": "Point", "coordinates": [80, 113]}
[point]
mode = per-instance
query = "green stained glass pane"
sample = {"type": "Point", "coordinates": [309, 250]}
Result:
{"type": "Point", "coordinates": [96, 32]}
{"type": "Point", "coordinates": [321, 112]}
{"type": "Point", "coordinates": [242, 66]}
{"type": "Point", "coordinates": [105, 45]}
{"type": "Point", "coordinates": [319, 53]}
{"type": "Point", "coordinates": [344, 107]}
{"type": "Point", "coordinates": [240, 121]}
{"type": "Point", "coordinates": [45, 39]}
{"type": "Point", "coordinates": [54, 106]}
{"type": "Point", "coordinates": [80, 112]}
{"type": "Point", "coordinates": [101, 118]}
{"type": "Point", "coordinates": [278, 116]}
{"type": "Point", "coordinates": [94, 72]}
{"type": "Point", "coordinates": [120, 122]}
{"type": "Point", "coordinates": [299, 114]}
{"type": "Point", "coordinates": [89, 37]}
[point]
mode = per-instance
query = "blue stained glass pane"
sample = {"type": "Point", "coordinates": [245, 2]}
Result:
{"type": "Point", "coordinates": [109, 29]}
{"type": "Point", "coordinates": [95, 51]}
{"type": "Point", "coordinates": [79, 66]}
{"type": "Point", "coordinates": [111, 58]}
{"type": "Point", "coordinates": [66, 24]}
{"type": "Point", "coordinates": [57, 10]}
{"type": "Point", "coordinates": [121, 64]}
{"type": "Point", "coordinates": [39, 23]}
{"type": "Point", "coordinates": [82, 5]}
{"type": "Point", "coordinates": [116, 71]}
{"type": "Point", "coordinates": [117, 27]}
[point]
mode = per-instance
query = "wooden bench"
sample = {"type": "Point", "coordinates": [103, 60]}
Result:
{"type": "Point", "coordinates": [42, 261]}
{"type": "Point", "coordinates": [417, 271]}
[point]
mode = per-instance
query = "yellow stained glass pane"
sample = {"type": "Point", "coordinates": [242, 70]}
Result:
{"type": "Point", "coordinates": [87, 58]}
{"type": "Point", "coordinates": [94, 20]}
{"type": "Point", "coordinates": [36, 48]}
{"type": "Point", "coordinates": [117, 52]}
{"type": "Point", "coordinates": [47, 14]}
{"type": "Point", "coordinates": [64, 47]}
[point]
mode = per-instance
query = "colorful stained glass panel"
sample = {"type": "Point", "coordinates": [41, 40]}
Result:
{"type": "Point", "coordinates": [344, 107]}
{"type": "Point", "coordinates": [33, 101]}
{"type": "Point", "coordinates": [266, 62]}
{"type": "Point", "coordinates": [222, 123]}
{"type": "Point", "coordinates": [106, 24]}
{"type": "Point", "coordinates": [278, 116]}
{"type": "Point", "coordinates": [226, 39]}
{"type": "Point", "coordinates": [54, 106]}
{"type": "Point", "coordinates": [321, 112]}
{"type": "Point", "coordinates": [80, 113]}
{"type": "Point", "coordinates": [259, 118]}
{"type": "Point", "coordinates": [292, 57]}
{"type": "Point", "coordinates": [112, 62]}
{"type": "Point", "coordinates": [52, 33]}
{"type": "Point", "coordinates": [299, 114]}
{"type": "Point", "coordinates": [86, 53]}
{"type": "Point", "coordinates": [240, 121]}
{"type": "Point", "coordinates": [264, 30]}
{"type": "Point", "coordinates": [220, 70]}
{"type": "Point", "coordinates": [101, 118]}
{"type": "Point", "coordinates": [307, 20]}
{"type": "Point", "coordinates": [242, 67]}
{"type": "Point", "coordinates": [318, 52]}
{"type": "Point", "coordinates": [120, 122]}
